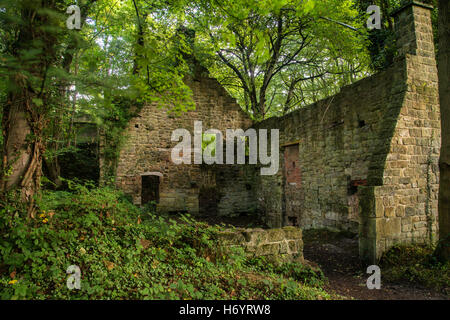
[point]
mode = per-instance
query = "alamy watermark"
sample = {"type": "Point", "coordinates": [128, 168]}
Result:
{"type": "Point", "coordinates": [374, 281]}
{"type": "Point", "coordinates": [213, 153]}
{"type": "Point", "coordinates": [74, 280]}
{"type": "Point", "coordinates": [74, 20]}
{"type": "Point", "coordinates": [374, 21]}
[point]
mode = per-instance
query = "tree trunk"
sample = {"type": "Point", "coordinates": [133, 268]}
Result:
{"type": "Point", "coordinates": [26, 112]}
{"type": "Point", "coordinates": [22, 155]}
{"type": "Point", "coordinates": [444, 163]}
{"type": "Point", "coordinates": [74, 107]}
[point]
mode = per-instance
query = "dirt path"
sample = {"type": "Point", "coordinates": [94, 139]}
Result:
{"type": "Point", "coordinates": [337, 256]}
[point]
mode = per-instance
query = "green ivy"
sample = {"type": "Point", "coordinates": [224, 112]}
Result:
{"type": "Point", "coordinates": [125, 252]}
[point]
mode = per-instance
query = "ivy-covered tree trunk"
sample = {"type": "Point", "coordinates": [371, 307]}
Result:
{"type": "Point", "coordinates": [23, 145]}
{"type": "Point", "coordinates": [26, 111]}
{"type": "Point", "coordinates": [444, 93]}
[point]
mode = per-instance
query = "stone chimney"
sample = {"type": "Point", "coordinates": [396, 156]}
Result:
{"type": "Point", "coordinates": [411, 174]}
{"type": "Point", "coordinates": [414, 30]}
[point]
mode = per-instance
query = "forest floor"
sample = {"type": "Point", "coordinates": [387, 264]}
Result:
{"type": "Point", "coordinates": [242, 221]}
{"type": "Point", "coordinates": [337, 255]}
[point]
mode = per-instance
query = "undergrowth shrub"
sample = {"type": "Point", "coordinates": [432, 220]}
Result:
{"type": "Point", "coordinates": [125, 252]}
{"type": "Point", "coordinates": [291, 270]}
{"type": "Point", "coordinates": [416, 264]}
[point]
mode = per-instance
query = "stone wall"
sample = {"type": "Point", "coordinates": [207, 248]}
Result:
{"type": "Point", "coordinates": [278, 245]}
{"type": "Point", "coordinates": [204, 189]}
{"type": "Point", "coordinates": [368, 156]}
{"type": "Point", "coordinates": [342, 143]}
{"type": "Point", "coordinates": [405, 206]}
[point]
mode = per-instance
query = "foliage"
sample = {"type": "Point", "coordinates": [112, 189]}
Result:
{"type": "Point", "coordinates": [132, 59]}
{"type": "Point", "coordinates": [127, 253]}
{"type": "Point", "coordinates": [81, 163]}
{"type": "Point", "coordinates": [125, 51]}
{"type": "Point", "coordinates": [275, 56]}
{"type": "Point", "coordinates": [416, 264]}
{"type": "Point", "coordinates": [291, 270]}
{"type": "Point", "coordinates": [381, 45]}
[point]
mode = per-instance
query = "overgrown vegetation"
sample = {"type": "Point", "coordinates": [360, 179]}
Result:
{"type": "Point", "coordinates": [416, 264]}
{"type": "Point", "coordinates": [127, 253]}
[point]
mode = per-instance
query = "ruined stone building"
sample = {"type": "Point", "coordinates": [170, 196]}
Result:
{"type": "Point", "coordinates": [364, 160]}
{"type": "Point", "coordinates": [146, 172]}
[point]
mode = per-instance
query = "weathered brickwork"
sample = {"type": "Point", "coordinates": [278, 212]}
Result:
{"type": "Point", "coordinates": [219, 189]}
{"type": "Point", "coordinates": [339, 139]}
{"type": "Point", "coordinates": [406, 204]}
{"type": "Point", "coordinates": [368, 156]}
{"type": "Point", "coordinates": [279, 245]}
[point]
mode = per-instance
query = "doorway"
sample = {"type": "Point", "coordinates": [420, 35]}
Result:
{"type": "Point", "coordinates": [150, 189]}
{"type": "Point", "coordinates": [292, 186]}
{"type": "Point", "coordinates": [207, 201]}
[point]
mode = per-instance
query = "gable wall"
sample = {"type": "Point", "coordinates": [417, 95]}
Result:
{"type": "Point", "coordinates": [148, 150]}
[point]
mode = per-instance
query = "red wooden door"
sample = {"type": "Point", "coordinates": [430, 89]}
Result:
{"type": "Point", "coordinates": [292, 186]}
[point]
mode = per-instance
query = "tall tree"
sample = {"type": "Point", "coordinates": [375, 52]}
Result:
{"type": "Point", "coordinates": [444, 163]}
{"type": "Point", "coordinates": [267, 49]}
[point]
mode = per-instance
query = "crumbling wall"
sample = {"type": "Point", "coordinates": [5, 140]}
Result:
{"type": "Point", "coordinates": [368, 156]}
{"type": "Point", "coordinates": [223, 188]}
{"type": "Point", "coordinates": [284, 244]}
{"type": "Point", "coordinates": [343, 142]}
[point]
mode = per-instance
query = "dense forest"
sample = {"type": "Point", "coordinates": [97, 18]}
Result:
{"type": "Point", "coordinates": [64, 62]}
